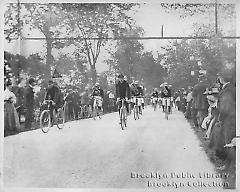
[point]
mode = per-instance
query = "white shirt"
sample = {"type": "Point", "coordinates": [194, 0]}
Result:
{"type": "Point", "coordinates": [189, 97]}
{"type": "Point", "coordinates": [111, 96]}
{"type": "Point", "coordinates": [225, 85]}
{"type": "Point", "coordinates": [8, 94]}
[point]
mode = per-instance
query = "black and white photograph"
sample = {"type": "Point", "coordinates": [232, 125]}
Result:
{"type": "Point", "coordinates": [120, 95]}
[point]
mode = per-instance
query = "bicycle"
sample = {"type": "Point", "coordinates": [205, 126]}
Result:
{"type": "Point", "coordinates": [130, 108]}
{"type": "Point", "coordinates": [155, 101]}
{"type": "Point", "coordinates": [45, 118]}
{"type": "Point", "coordinates": [166, 107]}
{"type": "Point", "coordinates": [136, 110]}
{"type": "Point", "coordinates": [96, 105]}
{"type": "Point", "coordinates": [123, 114]}
{"type": "Point", "coordinates": [160, 103]}
{"type": "Point", "coordinates": [141, 104]}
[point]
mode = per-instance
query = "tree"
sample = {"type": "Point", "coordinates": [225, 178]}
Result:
{"type": "Point", "coordinates": [95, 21]}
{"type": "Point", "coordinates": [73, 70]}
{"type": "Point", "coordinates": [8, 74]}
{"type": "Point", "coordinates": [151, 72]}
{"type": "Point", "coordinates": [226, 16]}
{"type": "Point", "coordinates": [28, 16]}
{"type": "Point", "coordinates": [214, 54]}
{"type": "Point", "coordinates": [35, 65]}
{"type": "Point", "coordinates": [17, 63]}
{"type": "Point", "coordinates": [127, 55]}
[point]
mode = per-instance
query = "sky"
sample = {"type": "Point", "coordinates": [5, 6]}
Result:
{"type": "Point", "coordinates": [149, 16]}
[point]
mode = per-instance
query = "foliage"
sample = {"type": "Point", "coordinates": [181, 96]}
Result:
{"type": "Point", "coordinates": [130, 59]}
{"type": "Point", "coordinates": [126, 57]}
{"type": "Point", "coordinates": [7, 68]}
{"type": "Point", "coordinates": [213, 54]}
{"type": "Point", "coordinates": [95, 21]}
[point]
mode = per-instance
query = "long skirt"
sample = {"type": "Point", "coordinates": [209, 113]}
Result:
{"type": "Point", "coordinates": [11, 120]}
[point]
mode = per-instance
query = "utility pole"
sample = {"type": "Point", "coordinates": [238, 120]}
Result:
{"type": "Point", "coordinates": [216, 18]}
{"type": "Point", "coordinates": [19, 41]}
{"type": "Point", "coordinates": [162, 30]}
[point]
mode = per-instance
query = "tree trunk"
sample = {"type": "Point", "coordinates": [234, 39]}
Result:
{"type": "Point", "coordinates": [49, 59]}
{"type": "Point", "coordinates": [94, 75]}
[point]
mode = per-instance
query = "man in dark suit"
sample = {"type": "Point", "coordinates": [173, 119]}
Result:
{"type": "Point", "coordinates": [122, 92]}
{"type": "Point", "coordinates": [227, 114]}
{"type": "Point", "coordinates": [54, 93]}
{"type": "Point", "coordinates": [29, 103]}
{"type": "Point", "coordinates": [201, 103]}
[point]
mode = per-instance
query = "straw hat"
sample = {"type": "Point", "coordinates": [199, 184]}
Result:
{"type": "Point", "coordinates": [215, 90]}
{"type": "Point", "coordinates": [207, 92]}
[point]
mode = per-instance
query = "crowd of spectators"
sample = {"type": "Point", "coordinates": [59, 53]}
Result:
{"type": "Point", "coordinates": [212, 109]}
{"type": "Point", "coordinates": [23, 104]}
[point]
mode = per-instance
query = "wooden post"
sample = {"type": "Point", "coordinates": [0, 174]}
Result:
{"type": "Point", "coordinates": [19, 40]}
{"type": "Point", "coordinates": [162, 30]}
{"type": "Point", "coordinates": [216, 18]}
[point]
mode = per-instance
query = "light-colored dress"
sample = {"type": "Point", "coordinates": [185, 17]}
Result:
{"type": "Point", "coordinates": [11, 120]}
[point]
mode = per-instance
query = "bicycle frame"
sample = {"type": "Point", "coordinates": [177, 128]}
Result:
{"type": "Point", "coordinates": [122, 114]}
{"type": "Point", "coordinates": [166, 104]}
{"type": "Point", "coordinates": [95, 107]}
{"type": "Point", "coordinates": [54, 117]}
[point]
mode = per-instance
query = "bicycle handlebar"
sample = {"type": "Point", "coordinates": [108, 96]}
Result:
{"type": "Point", "coordinates": [48, 101]}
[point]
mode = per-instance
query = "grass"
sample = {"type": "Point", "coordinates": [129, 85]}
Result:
{"type": "Point", "coordinates": [221, 166]}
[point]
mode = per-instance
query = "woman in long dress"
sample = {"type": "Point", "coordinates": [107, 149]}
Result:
{"type": "Point", "coordinates": [11, 120]}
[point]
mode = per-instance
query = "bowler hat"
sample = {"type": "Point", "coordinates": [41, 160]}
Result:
{"type": "Point", "coordinates": [31, 80]}
{"type": "Point", "coordinates": [215, 90]}
{"type": "Point", "coordinates": [120, 76]}
{"type": "Point", "coordinates": [206, 91]}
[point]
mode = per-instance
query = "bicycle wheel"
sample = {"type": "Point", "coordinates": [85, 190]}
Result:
{"type": "Point", "coordinates": [166, 111]}
{"type": "Point", "coordinates": [100, 113]}
{"type": "Point", "coordinates": [60, 118]}
{"type": "Point", "coordinates": [94, 113]}
{"type": "Point", "coordinates": [135, 112]}
{"type": "Point", "coordinates": [166, 114]}
{"type": "Point", "coordinates": [122, 118]}
{"type": "Point", "coordinates": [90, 111]}
{"type": "Point", "coordinates": [125, 117]}
{"type": "Point", "coordinates": [140, 110]}
{"type": "Point", "coordinates": [155, 106]}
{"type": "Point", "coordinates": [80, 113]}
{"type": "Point", "coordinates": [130, 108]}
{"type": "Point", "coordinates": [45, 121]}
{"type": "Point", "coordinates": [73, 118]}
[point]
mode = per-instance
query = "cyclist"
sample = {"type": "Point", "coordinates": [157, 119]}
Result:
{"type": "Point", "coordinates": [53, 92]}
{"type": "Point", "coordinates": [111, 98]}
{"type": "Point", "coordinates": [137, 93]}
{"type": "Point", "coordinates": [122, 92]}
{"type": "Point", "coordinates": [97, 95]}
{"type": "Point", "coordinates": [85, 102]}
{"type": "Point", "coordinates": [155, 96]}
{"type": "Point", "coordinates": [166, 97]}
{"type": "Point", "coordinates": [142, 96]}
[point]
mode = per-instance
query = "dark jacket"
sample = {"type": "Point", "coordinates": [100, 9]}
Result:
{"type": "Point", "coordinates": [54, 93]}
{"type": "Point", "coordinates": [166, 92]}
{"type": "Point", "coordinates": [85, 99]}
{"type": "Point", "coordinates": [122, 90]}
{"type": "Point", "coordinates": [227, 102]}
{"type": "Point", "coordinates": [227, 111]}
{"type": "Point", "coordinates": [136, 91]}
{"type": "Point", "coordinates": [225, 128]}
{"type": "Point", "coordinates": [28, 97]}
{"type": "Point", "coordinates": [199, 99]}
{"type": "Point", "coordinates": [98, 92]}
{"type": "Point", "coordinates": [72, 97]}
{"type": "Point", "coordinates": [19, 92]}
{"type": "Point", "coordinates": [155, 94]}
